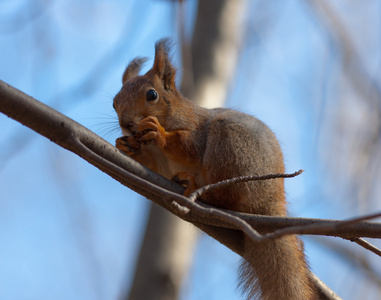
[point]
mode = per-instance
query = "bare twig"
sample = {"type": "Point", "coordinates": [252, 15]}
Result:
{"type": "Point", "coordinates": [198, 193]}
{"type": "Point", "coordinates": [319, 228]}
{"type": "Point", "coordinates": [352, 257]}
{"type": "Point", "coordinates": [366, 245]}
{"type": "Point", "coordinates": [323, 288]}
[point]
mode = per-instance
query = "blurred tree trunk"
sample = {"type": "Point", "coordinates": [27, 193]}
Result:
{"type": "Point", "coordinates": [208, 65]}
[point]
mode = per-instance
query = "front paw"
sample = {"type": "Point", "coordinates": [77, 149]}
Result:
{"type": "Point", "coordinates": [151, 131]}
{"type": "Point", "coordinates": [128, 144]}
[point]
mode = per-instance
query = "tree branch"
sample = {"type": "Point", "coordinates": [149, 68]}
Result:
{"type": "Point", "coordinates": [365, 244]}
{"type": "Point", "coordinates": [199, 192]}
{"type": "Point", "coordinates": [225, 226]}
{"type": "Point", "coordinates": [78, 139]}
{"type": "Point", "coordinates": [325, 291]}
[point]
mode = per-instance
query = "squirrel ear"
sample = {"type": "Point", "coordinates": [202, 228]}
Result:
{"type": "Point", "coordinates": [133, 68]}
{"type": "Point", "coordinates": [162, 65]}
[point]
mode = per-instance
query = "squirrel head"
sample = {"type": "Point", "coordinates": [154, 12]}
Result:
{"type": "Point", "coordinates": [152, 94]}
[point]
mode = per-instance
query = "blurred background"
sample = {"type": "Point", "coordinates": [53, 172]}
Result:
{"type": "Point", "coordinates": [310, 69]}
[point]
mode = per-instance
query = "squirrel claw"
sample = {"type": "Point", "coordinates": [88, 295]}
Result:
{"type": "Point", "coordinates": [128, 144]}
{"type": "Point", "coordinates": [150, 123]}
{"type": "Point", "coordinates": [152, 131]}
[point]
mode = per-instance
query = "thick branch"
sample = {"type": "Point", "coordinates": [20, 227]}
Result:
{"type": "Point", "coordinates": [78, 139]}
{"type": "Point", "coordinates": [220, 224]}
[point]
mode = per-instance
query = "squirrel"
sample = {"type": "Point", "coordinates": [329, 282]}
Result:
{"type": "Point", "coordinates": [197, 146]}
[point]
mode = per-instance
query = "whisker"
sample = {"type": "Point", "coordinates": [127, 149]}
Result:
{"type": "Point", "coordinates": [107, 129]}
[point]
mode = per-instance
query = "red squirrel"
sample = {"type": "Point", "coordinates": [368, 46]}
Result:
{"type": "Point", "coordinates": [178, 139]}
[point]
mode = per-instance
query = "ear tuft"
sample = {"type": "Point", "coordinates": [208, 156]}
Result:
{"type": "Point", "coordinates": [133, 68]}
{"type": "Point", "coordinates": [162, 65]}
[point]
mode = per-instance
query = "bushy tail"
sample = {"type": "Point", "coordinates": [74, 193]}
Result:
{"type": "Point", "coordinates": [276, 270]}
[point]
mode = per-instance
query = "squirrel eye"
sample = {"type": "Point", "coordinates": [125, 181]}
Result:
{"type": "Point", "coordinates": [151, 95]}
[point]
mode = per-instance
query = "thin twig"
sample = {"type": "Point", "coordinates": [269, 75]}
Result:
{"type": "Point", "coordinates": [352, 257]}
{"type": "Point", "coordinates": [198, 193]}
{"type": "Point", "coordinates": [323, 288]}
{"type": "Point", "coordinates": [319, 228]}
{"type": "Point", "coordinates": [366, 245]}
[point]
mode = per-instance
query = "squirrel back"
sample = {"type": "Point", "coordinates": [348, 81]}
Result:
{"type": "Point", "coordinates": [196, 147]}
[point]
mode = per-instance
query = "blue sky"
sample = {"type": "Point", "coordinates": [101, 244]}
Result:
{"type": "Point", "coordinates": [68, 231]}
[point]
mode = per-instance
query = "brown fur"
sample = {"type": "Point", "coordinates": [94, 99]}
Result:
{"type": "Point", "coordinates": [176, 138]}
